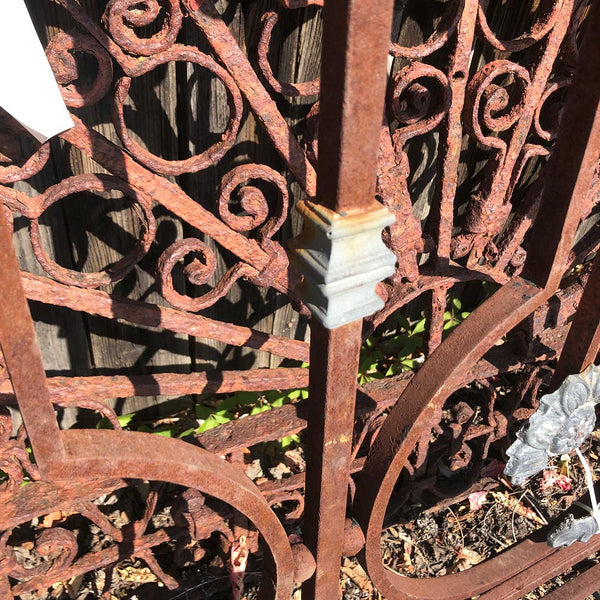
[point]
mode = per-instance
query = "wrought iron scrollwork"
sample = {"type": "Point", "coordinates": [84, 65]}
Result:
{"type": "Point", "coordinates": [444, 101]}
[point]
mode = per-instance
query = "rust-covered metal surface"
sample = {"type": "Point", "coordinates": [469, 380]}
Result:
{"type": "Point", "coordinates": [510, 124]}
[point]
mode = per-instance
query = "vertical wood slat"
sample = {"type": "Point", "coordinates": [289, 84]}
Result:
{"type": "Point", "coordinates": [296, 58]}
{"type": "Point", "coordinates": [23, 358]}
{"type": "Point", "coordinates": [62, 335]}
{"type": "Point", "coordinates": [204, 116]}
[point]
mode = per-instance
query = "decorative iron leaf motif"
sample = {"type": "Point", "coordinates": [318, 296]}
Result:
{"type": "Point", "coordinates": [573, 530]}
{"type": "Point", "coordinates": [562, 422]}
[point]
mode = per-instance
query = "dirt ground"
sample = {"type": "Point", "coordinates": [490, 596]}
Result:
{"type": "Point", "coordinates": [422, 542]}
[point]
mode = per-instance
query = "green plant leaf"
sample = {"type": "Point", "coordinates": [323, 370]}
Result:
{"type": "Point", "coordinates": [164, 431]}
{"type": "Point", "coordinates": [398, 341]}
{"type": "Point", "coordinates": [124, 421]}
{"type": "Point", "coordinates": [419, 327]}
{"type": "Point", "coordinates": [210, 423]}
{"type": "Point", "coordinates": [279, 401]}
{"type": "Point", "coordinates": [408, 364]}
{"type": "Point", "coordinates": [203, 412]}
{"type": "Point", "coordinates": [240, 399]}
{"type": "Point", "coordinates": [228, 403]}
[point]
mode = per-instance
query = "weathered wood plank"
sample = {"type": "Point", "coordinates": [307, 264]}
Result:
{"type": "Point", "coordinates": [101, 229]}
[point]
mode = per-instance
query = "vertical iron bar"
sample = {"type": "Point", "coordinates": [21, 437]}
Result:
{"type": "Point", "coordinates": [583, 340]}
{"type": "Point", "coordinates": [23, 357]}
{"type": "Point", "coordinates": [353, 78]}
{"type": "Point", "coordinates": [571, 167]}
{"type": "Point", "coordinates": [450, 143]}
{"type": "Point", "coordinates": [451, 133]}
{"type": "Point", "coordinates": [332, 392]}
{"type": "Point", "coordinates": [356, 40]}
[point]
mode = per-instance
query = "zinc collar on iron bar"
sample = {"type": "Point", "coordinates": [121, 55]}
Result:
{"type": "Point", "coordinates": [342, 257]}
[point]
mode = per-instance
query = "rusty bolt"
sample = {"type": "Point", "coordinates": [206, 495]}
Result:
{"type": "Point", "coordinates": [304, 562]}
{"type": "Point", "coordinates": [354, 539]}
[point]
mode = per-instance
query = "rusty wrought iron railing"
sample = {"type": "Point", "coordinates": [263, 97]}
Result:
{"type": "Point", "coordinates": [356, 183]}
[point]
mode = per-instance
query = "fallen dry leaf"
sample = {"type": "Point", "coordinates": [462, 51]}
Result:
{"type": "Point", "coordinates": [237, 565]}
{"type": "Point", "coordinates": [466, 559]}
{"type": "Point", "coordinates": [355, 572]}
{"type": "Point", "coordinates": [54, 517]}
{"type": "Point", "coordinates": [138, 575]}
{"type": "Point", "coordinates": [553, 479]}
{"type": "Point", "coordinates": [294, 459]}
{"type": "Point", "coordinates": [517, 507]}
{"type": "Point", "coordinates": [254, 470]}
{"type": "Point", "coordinates": [477, 500]}
{"type": "Point", "coordinates": [280, 471]}
{"type": "Point", "coordinates": [470, 556]}
{"type": "Point", "coordinates": [406, 564]}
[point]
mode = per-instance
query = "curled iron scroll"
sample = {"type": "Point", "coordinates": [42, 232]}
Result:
{"type": "Point", "coordinates": [439, 38]}
{"type": "Point", "coordinates": [79, 183]}
{"type": "Point", "coordinates": [543, 24]}
{"type": "Point", "coordinates": [56, 547]}
{"type": "Point", "coordinates": [420, 98]}
{"type": "Point", "coordinates": [307, 88]}
{"type": "Point", "coordinates": [122, 16]}
{"type": "Point", "coordinates": [12, 170]}
{"type": "Point", "coordinates": [253, 201]}
{"type": "Point", "coordinates": [257, 215]}
{"type": "Point", "coordinates": [548, 131]}
{"type": "Point", "coordinates": [211, 155]}
{"type": "Point", "coordinates": [491, 105]}
{"type": "Point", "coordinates": [197, 272]}
{"type": "Point", "coordinates": [61, 53]}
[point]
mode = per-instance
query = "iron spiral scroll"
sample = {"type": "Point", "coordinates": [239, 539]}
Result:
{"type": "Point", "coordinates": [463, 88]}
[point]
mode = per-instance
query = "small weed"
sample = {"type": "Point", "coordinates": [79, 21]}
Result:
{"type": "Point", "coordinates": [214, 412]}
{"type": "Point", "coordinates": [398, 349]}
